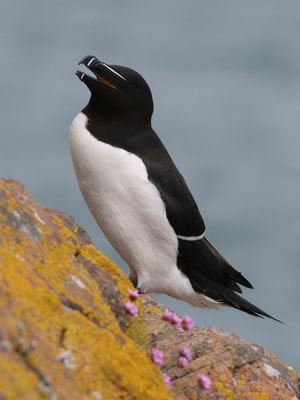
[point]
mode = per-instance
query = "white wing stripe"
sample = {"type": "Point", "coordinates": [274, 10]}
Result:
{"type": "Point", "coordinates": [191, 237]}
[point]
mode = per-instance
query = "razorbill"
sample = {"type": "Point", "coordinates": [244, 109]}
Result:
{"type": "Point", "coordinates": [140, 200]}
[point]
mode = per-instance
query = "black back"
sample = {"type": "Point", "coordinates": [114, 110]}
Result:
{"type": "Point", "coordinates": [121, 117]}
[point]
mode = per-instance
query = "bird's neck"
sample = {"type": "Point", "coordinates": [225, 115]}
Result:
{"type": "Point", "coordinates": [114, 131]}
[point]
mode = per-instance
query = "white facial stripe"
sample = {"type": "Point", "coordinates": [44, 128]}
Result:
{"type": "Point", "coordinates": [91, 60]}
{"type": "Point", "coordinates": [115, 72]}
{"type": "Point", "coordinates": [191, 238]}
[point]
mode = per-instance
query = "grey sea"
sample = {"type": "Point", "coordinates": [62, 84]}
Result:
{"type": "Point", "coordinates": [225, 77]}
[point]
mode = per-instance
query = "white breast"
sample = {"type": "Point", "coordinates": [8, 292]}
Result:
{"type": "Point", "coordinates": [125, 204]}
{"type": "Point", "coordinates": [129, 210]}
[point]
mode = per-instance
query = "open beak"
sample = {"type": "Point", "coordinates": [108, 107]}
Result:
{"type": "Point", "coordinates": [103, 72]}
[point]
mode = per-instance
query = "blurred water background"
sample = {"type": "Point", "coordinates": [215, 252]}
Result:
{"type": "Point", "coordinates": [225, 77]}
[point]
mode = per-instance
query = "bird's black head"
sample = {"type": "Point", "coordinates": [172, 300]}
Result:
{"type": "Point", "coordinates": [118, 94]}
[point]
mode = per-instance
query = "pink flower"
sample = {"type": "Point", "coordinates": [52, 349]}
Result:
{"type": "Point", "coordinates": [155, 345]}
{"type": "Point", "coordinates": [133, 294]}
{"type": "Point", "coordinates": [204, 382]}
{"type": "Point", "coordinates": [175, 320]}
{"type": "Point", "coordinates": [167, 315]}
{"type": "Point", "coordinates": [154, 334]}
{"type": "Point", "coordinates": [157, 356]}
{"type": "Point", "coordinates": [131, 309]}
{"type": "Point", "coordinates": [187, 324]}
{"type": "Point", "coordinates": [185, 351]}
{"type": "Point", "coordinates": [167, 380]}
{"type": "Point", "coordinates": [182, 362]}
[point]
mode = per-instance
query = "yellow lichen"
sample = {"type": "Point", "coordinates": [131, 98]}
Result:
{"type": "Point", "coordinates": [225, 390]}
{"type": "Point", "coordinates": [152, 310]}
{"type": "Point", "coordinates": [96, 257]}
{"type": "Point", "coordinates": [137, 332]}
{"type": "Point", "coordinates": [241, 381]}
{"type": "Point", "coordinates": [223, 378]}
{"type": "Point", "coordinates": [284, 365]}
{"type": "Point", "coordinates": [136, 328]}
{"type": "Point", "coordinates": [260, 395]}
{"type": "Point", "coordinates": [60, 339]}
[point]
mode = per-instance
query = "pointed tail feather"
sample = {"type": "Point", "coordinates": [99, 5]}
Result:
{"type": "Point", "coordinates": [238, 302]}
{"type": "Point", "coordinates": [226, 295]}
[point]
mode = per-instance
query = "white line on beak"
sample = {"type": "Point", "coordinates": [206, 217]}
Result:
{"type": "Point", "coordinates": [112, 70]}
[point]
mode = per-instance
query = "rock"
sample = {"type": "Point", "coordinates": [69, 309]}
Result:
{"type": "Point", "coordinates": [64, 333]}
{"type": "Point", "coordinates": [63, 330]}
{"type": "Point", "coordinates": [238, 369]}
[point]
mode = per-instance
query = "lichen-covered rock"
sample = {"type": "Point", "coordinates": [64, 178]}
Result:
{"type": "Point", "coordinates": [64, 333]}
{"type": "Point", "coordinates": [238, 369]}
{"type": "Point", "coordinates": [63, 330]}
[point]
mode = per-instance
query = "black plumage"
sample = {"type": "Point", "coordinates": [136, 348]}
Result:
{"type": "Point", "coordinates": [119, 114]}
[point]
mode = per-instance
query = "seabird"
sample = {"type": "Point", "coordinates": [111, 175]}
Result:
{"type": "Point", "coordinates": [140, 200]}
